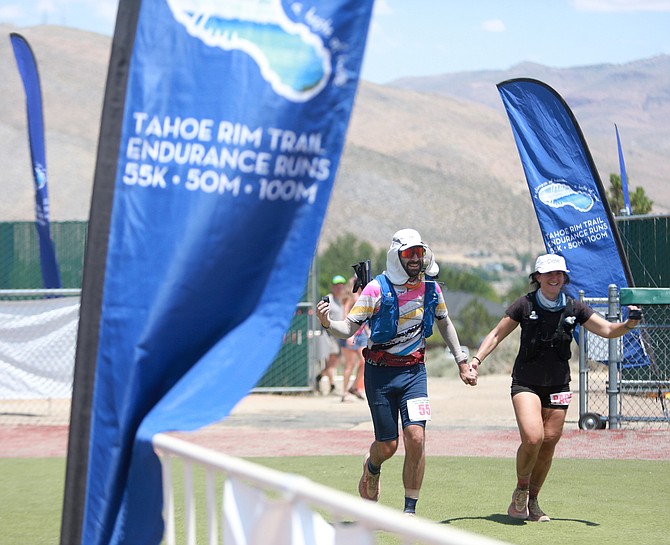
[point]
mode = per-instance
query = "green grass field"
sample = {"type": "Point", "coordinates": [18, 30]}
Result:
{"type": "Point", "coordinates": [599, 502]}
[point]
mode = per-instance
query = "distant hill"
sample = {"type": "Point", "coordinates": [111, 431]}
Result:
{"type": "Point", "coordinates": [432, 153]}
{"type": "Point", "coordinates": [635, 96]}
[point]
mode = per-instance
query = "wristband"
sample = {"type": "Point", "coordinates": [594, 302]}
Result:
{"type": "Point", "coordinates": [478, 360]}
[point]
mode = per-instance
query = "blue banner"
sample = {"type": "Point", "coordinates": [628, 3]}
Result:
{"type": "Point", "coordinates": [569, 199]}
{"type": "Point", "coordinates": [27, 65]}
{"type": "Point", "coordinates": [624, 177]}
{"type": "Point", "coordinates": [233, 125]}
{"type": "Point", "coordinates": [568, 196]}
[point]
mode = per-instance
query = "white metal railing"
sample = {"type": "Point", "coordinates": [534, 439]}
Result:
{"type": "Point", "coordinates": [337, 504]}
{"type": "Point", "coordinates": [53, 292]}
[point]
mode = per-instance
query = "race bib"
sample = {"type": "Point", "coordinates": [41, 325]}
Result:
{"type": "Point", "coordinates": [418, 409]}
{"type": "Point", "coordinates": [561, 398]}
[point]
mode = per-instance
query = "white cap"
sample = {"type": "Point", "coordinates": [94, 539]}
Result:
{"type": "Point", "coordinates": [407, 238]}
{"type": "Point", "coordinates": [550, 263]}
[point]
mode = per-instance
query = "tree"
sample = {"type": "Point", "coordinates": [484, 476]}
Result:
{"type": "Point", "coordinates": [473, 324]}
{"type": "Point", "coordinates": [520, 286]}
{"type": "Point", "coordinates": [341, 254]}
{"type": "Point", "coordinates": [639, 201]}
{"type": "Point", "coordinates": [459, 280]}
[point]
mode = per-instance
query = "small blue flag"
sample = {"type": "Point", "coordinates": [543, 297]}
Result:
{"type": "Point", "coordinates": [628, 209]}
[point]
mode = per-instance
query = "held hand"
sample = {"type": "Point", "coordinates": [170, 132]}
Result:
{"type": "Point", "coordinates": [634, 317]}
{"type": "Point", "coordinates": [468, 373]}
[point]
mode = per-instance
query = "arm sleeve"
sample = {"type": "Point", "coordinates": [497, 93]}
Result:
{"type": "Point", "coordinates": [448, 332]}
{"type": "Point", "coordinates": [343, 329]}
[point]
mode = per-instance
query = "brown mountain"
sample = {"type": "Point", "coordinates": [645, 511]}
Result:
{"type": "Point", "coordinates": [433, 153]}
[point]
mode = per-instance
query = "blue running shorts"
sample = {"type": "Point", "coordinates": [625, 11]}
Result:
{"type": "Point", "coordinates": [388, 389]}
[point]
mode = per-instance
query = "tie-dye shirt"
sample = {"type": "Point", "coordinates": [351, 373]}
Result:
{"type": "Point", "coordinates": [409, 336]}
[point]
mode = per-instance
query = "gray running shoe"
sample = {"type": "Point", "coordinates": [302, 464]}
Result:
{"type": "Point", "coordinates": [535, 513]}
{"type": "Point", "coordinates": [518, 509]}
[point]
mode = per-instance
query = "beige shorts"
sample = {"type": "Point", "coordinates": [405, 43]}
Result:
{"type": "Point", "coordinates": [328, 345]}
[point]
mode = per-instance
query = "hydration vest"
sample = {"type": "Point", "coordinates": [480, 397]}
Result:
{"type": "Point", "coordinates": [384, 324]}
{"type": "Point", "coordinates": [532, 339]}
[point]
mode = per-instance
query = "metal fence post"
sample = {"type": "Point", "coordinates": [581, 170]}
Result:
{"type": "Point", "coordinates": [313, 323]}
{"type": "Point", "coordinates": [583, 369]}
{"type": "Point", "coordinates": [613, 359]}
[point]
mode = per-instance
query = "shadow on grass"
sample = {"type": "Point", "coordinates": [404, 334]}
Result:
{"type": "Point", "coordinates": [500, 518]}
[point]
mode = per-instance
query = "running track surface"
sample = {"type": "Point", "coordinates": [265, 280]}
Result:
{"type": "Point", "coordinates": [466, 422]}
{"type": "Point", "coordinates": [27, 441]}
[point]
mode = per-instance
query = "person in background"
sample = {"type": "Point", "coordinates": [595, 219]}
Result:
{"type": "Point", "coordinates": [401, 305]}
{"type": "Point", "coordinates": [333, 345]}
{"type": "Point", "coordinates": [353, 349]}
{"type": "Point", "coordinates": [541, 374]}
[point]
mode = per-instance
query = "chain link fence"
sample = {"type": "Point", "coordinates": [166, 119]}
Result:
{"type": "Point", "coordinates": [20, 253]}
{"type": "Point", "coordinates": [38, 332]}
{"type": "Point", "coordinates": [38, 329]}
{"type": "Point", "coordinates": [625, 382]}
{"type": "Point", "coordinates": [646, 243]}
{"type": "Point", "coordinates": [639, 395]}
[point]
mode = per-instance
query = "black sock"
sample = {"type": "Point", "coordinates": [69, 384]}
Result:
{"type": "Point", "coordinates": [373, 468]}
{"type": "Point", "coordinates": [410, 505]}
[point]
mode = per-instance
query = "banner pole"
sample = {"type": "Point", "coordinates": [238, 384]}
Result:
{"type": "Point", "coordinates": [74, 496]}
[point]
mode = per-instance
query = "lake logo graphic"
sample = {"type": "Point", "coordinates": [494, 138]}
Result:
{"type": "Point", "coordinates": [290, 56]}
{"type": "Point", "coordinates": [40, 177]}
{"type": "Point", "coordinates": [557, 194]}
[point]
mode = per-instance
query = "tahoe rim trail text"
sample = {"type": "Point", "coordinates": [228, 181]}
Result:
{"type": "Point", "coordinates": [574, 236]}
{"type": "Point", "coordinates": [232, 151]}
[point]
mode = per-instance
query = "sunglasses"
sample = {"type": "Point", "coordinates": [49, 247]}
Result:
{"type": "Point", "coordinates": [414, 250]}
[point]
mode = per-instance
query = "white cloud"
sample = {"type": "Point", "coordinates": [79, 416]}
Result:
{"type": "Point", "coordinates": [621, 5]}
{"type": "Point", "coordinates": [494, 25]}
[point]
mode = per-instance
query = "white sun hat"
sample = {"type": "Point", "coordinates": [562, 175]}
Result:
{"type": "Point", "coordinates": [550, 263]}
{"type": "Point", "coordinates": [407, 238]}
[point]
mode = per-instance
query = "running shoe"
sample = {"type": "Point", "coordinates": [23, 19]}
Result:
{"type": "Point", "coordinates": [368, 486]}
{"type": "Point", "coordinates": [535, 513]}
{"type": "Point", "coordinates": [518, 509]}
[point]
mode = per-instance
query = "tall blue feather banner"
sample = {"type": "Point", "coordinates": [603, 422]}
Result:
{"type": "Point", "coordinates": [569, 199]}
{"type": "Point", "coordinates": [25, 60]}
{"type": "Point", "coordinates": [221, 136]}
{"type": "Point", "coordinates": [568, 196]}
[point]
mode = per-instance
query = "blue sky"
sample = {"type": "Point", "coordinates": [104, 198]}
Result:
{"type": "Point", "coordinates": [427, 37]}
